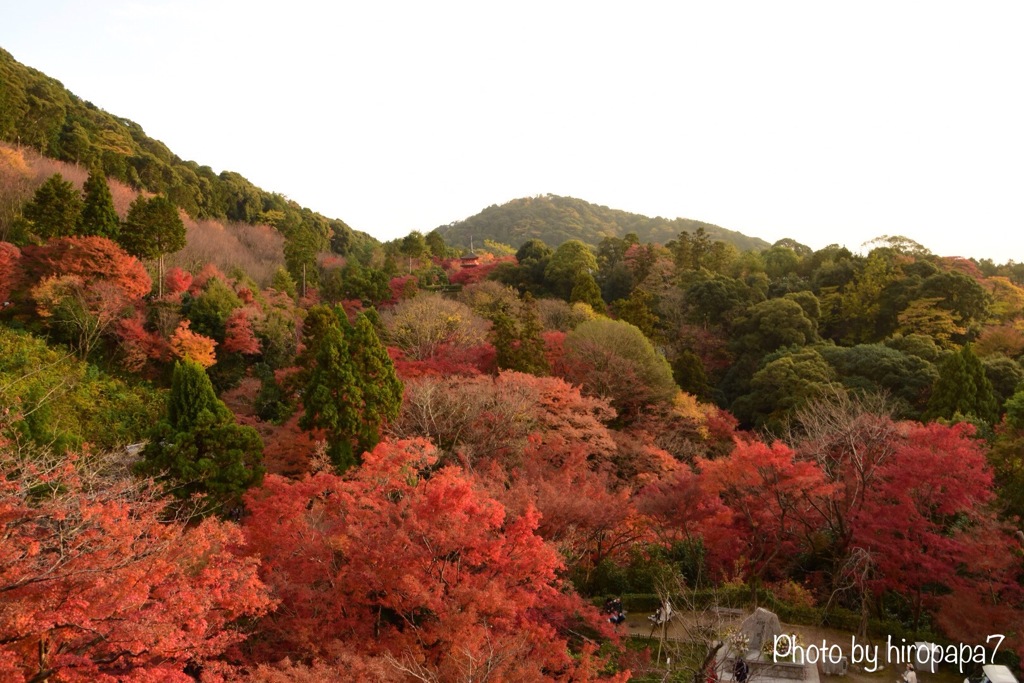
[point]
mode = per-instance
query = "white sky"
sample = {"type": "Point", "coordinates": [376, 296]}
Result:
{"type": "Point", "coordinates": [821, 121]}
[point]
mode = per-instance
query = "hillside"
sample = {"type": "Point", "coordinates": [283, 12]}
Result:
{"type": "Point", "coordinates": [555, 219]}
{"type": "Point", "coordinates": [37, 111]}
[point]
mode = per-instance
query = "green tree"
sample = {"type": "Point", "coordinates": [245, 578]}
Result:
{"type": "Point", "coordinates": [153, 229]}
{"type": "Point", "coordinates": [688, 372]}
{"type": "Point", "coordinates": [413, 247]}
{"type": "Point", "coordinates": [54, 209]}
{"type": "Point", "coordinates": [283, 282]}
{"type": "Point", "coordinates": [773, 324]}
{"type": "Point", "coordinates": [569, 261]}
{"type": "Point", "coordinates": [199, 448]}
{"type": "Point", "coordinates": [380, 387]}
{"type": "Point", "coordinates": [585, 290]}
{"type": "Point", "coordinates": [437, 246]}
{"type": "Point", "coordinates": [784, 384]}
{"type": "Point", "coordinates": [518, 343]}
{"type": "Point", "coordinates": [860, 319]}
{"type": "Point", "coordinates": [962, 389]}
{"type": "Point", "coordinates": [210, 310]}
{"type": "Point", "coordinates": [351, 389]}
{"type": "Point", "coordinates": [636, 310]}
{"type": "Point", "coordinates": [98, 216]}
{"type": "Point", "coordinates": [691, 251]}
{"type": "Point", "coordinates": [333, 396]}
{"type": "Point", "coordinates": [880, 369]}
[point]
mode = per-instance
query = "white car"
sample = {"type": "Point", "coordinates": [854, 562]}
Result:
{"type": "Point", "coordinates": [994, 673]}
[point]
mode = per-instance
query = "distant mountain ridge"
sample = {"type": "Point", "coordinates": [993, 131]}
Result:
{"type": "Point", "coordinates": [556, 219]}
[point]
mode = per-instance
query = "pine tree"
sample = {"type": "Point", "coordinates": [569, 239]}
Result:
{"type": "Point", "coordinates": [963, 389]}
{"type": "Point", "coordinates": [199, 448]}
{"type": "Point", "coordinates": [98, 215]}
{"type": "Point", "coordinates": [54, 209]}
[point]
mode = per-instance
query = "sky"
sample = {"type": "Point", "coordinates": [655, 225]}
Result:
{"type": "Point", "coordinates": [825, 122]}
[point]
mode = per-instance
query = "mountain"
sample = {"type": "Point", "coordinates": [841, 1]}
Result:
{"type": "Point", "coordinates": [39, 112]}
{"type": "Point", "coordinates": [555, 219]}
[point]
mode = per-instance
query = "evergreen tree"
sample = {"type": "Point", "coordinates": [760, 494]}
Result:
{"type": "Point", "coordinates": [151, 230]}
{"type": "Point", "coordinates": [283, 282]}
{"type": "Point", "coordinates": [963, 390]}
{"type": "Point", "coordinates": [688, 372]}
{"type": "Point", "coordinates": [199, 448]}
{"type": "Point", "coordinates": [518, 343]}
{"type": "Point", "coordinates": [98, 215]}
{"type": "Point", "coordinates": [54, 209]}
{"type": "Point", "coordinates": [585, 290]}
{"type": "Point", "coordinates": [351, 390]}
{"type": "Point", "coordinates": [381, 388]}
{"type": "Point", "coordinates": [333, 396]}
{"type": "Point", "coordinates": [570, 260]}
{"type": "Point", "coordinates": [636, 310]}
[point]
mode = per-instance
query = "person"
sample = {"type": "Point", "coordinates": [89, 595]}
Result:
{"type": "Point", "coordinates": [740, 670]}
{"type": "Point", "coordinates": [910, 676]}
{"type": "Point", "coordinates": [711, 673]}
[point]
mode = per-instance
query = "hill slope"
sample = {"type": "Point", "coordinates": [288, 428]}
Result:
{"type": "Point", "coordinates": [555, 219]}
{"type": "Point", "coordinates": [39, 112]}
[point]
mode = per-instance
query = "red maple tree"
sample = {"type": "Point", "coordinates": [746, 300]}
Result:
{"type": "Point", "coordinates": [413, 566]}
{"type": "Point", "coordinates": [98, 585]}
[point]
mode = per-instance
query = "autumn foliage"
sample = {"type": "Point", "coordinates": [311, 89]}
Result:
{"type": "Point", "coordinates": [94, 259]}
{"type": "Point", "coordinates": [414, 566]}
{"type": "Point", "coordinates": [9, 257]}
{"type": "Point", "coordinates": [98, 585]}
{"type": "Point", "coordinates": [189, 345]}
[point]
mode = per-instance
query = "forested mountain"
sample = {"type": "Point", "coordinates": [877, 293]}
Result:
{"type": "Point", "coordinates": [411, 464]}
{"type": "Point", "coordinates": [39, 112]}
{"type": "Point", "coordinates": [555, 220]}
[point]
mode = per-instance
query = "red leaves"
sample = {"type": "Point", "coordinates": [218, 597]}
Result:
{"type": "Point", "coordinates": [94, 259]}
{"type": "Point", "coordinates": [770, 494]}
{"type": "Point", "coordinates": [239, 336]}
{"type": "Point", "coordinates": [417, 565]}
{"type": "Point", "coordinates": [177, 281]}
{"type": "Point", "coordinates": [97, 586]}
{"type": "Point", "coordinates": [915, 519]}
{"type": "Point", "coordinates": [9, 258]}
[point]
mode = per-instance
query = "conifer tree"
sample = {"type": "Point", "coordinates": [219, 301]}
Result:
{"type": "Point", "coordinates": [151, 230]}
{"type": "Point", "coordinates": [333, 398]}
{"type": "Point", "coordinates": [351, 388]}
{"type": "Point", "coordinates": [98, 216]}
{"type": "Point", "coordinates": [381, 388]}
{"type": "Point", "coordinates": [963, 389]}
{"type": "Point", "coordinates": [199, 448]}
{"type": "Point", "coordinates": [54, 209]}
{"type": "Point", "coordinates": [585, 290]}
{"type": "Point", "coordinates": [518, 343]}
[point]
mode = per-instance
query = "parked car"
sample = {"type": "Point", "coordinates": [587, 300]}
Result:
{"type": "Point", "coordinates": [993, 673]}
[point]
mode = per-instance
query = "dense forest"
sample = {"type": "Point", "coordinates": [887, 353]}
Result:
{"type": "Point", "coordinates": [257, 446]}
